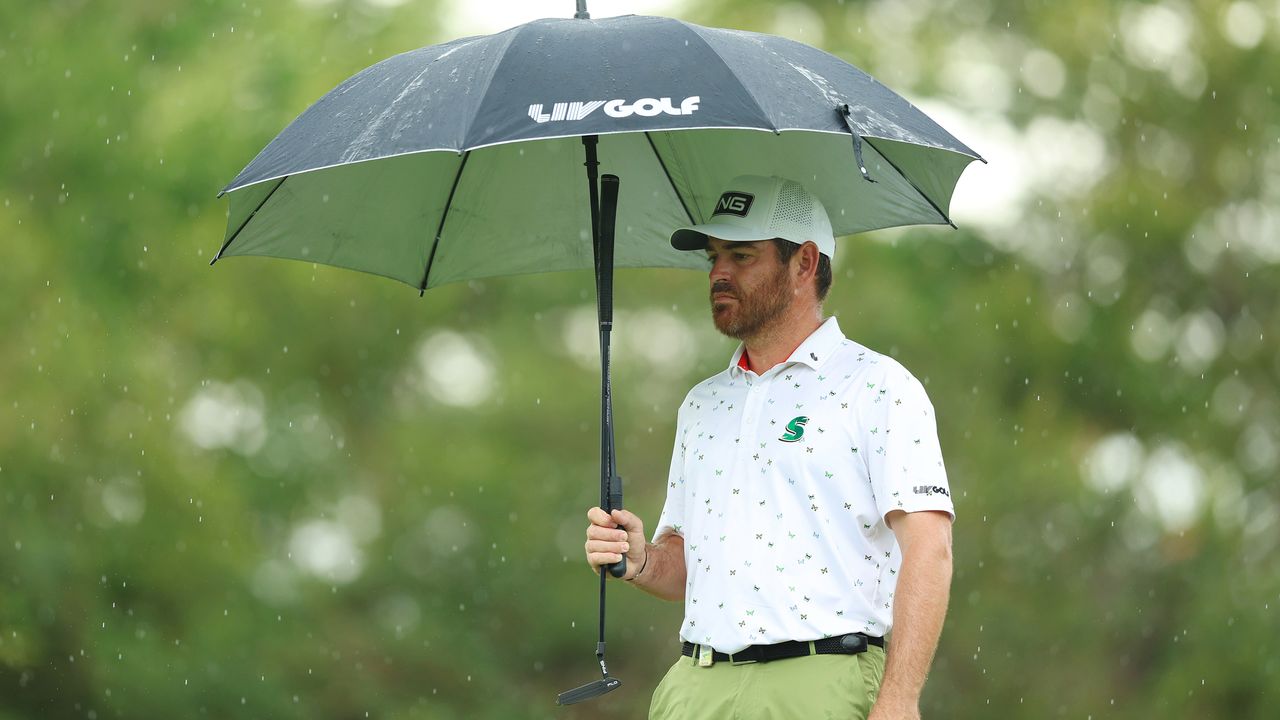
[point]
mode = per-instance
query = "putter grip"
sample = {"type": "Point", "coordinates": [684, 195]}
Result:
{"type": "Point", "coordinates": [619, 568]}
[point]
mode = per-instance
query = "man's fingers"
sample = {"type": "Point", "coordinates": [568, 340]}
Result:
{"type": "Point", "coordinates": [595, 560]}
{"type": "Point", "coordinates": [627, 520]}
{"type": "Point", "coordinates": [597, 532]}
{"type": "Point", "coordinates": [600, 517]}
{"type": "Point", "coordinates": [601, 546]}
{"type": "Point", "coordinates": [600, 552]}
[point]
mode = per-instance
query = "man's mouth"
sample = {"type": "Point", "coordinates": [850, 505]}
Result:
{"type": "Point", "coordinates": [722, 291]}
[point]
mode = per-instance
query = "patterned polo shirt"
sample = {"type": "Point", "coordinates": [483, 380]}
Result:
{"type": "Point", "coordinates": [780, 483]}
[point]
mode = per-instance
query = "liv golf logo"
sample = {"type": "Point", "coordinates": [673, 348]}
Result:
{"type": "Point", "coordinates": [644, 107]}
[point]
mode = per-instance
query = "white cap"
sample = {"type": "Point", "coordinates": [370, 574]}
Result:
{"type": "Point", "coordinates": [756, 208]}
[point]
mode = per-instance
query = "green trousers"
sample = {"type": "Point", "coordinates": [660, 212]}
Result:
{"type": "Point", "coordinates": [816, 687]}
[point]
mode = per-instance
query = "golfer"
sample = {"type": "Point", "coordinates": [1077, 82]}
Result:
{"type": "Point", "coordinates": [807, 510]}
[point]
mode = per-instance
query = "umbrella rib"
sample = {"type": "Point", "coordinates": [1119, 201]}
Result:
{"type": "Point", "coordinates": [422, 288]}
{"type": "Point", "coordinates": [244, 224]}
{"type": "Point", "coordinates": [912, 183]}
{"type": "Point", "coordinates": [658, 156]}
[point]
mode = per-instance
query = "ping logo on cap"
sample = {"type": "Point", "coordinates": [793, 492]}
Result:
{"type": "Point", "coordinates": [734, 203]}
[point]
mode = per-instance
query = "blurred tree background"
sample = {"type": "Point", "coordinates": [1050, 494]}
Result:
{"type": "Point", "coordinates": [279, 490]}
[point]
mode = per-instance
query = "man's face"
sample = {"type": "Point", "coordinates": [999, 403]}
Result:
{"type": "Point", "coordinates": [750, 287]}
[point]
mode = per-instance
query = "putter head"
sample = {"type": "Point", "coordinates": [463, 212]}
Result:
{"type": "Point", "coordinates": [588, 691]}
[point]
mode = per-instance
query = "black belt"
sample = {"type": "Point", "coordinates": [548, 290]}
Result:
{"type": "Point", "coordinates": [850, 644]}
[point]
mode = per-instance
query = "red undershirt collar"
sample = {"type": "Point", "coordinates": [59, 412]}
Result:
{"type": "Point", "coordinates": [744, 361]}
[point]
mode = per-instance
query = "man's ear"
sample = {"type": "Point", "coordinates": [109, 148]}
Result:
{"type": "Point", "coordinates": [807, 261]}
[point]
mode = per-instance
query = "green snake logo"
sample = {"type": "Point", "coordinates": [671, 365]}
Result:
{"type": "Point", "coordinates": [795, 429]}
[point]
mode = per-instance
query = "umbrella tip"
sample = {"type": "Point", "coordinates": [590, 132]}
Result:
{"type": "Point", "coordinates": [582, 13]}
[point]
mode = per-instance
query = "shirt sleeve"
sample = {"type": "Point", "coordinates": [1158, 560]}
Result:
{"type": "Point", "coordinates": [672, 518]}
{"type": "Point", "coordinates": [897, 427]}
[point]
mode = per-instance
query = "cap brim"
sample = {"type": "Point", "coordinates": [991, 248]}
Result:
{"type": "Point", "coordinates": [695, 236]}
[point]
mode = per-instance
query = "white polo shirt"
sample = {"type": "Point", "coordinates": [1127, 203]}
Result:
{"type": "Point", "coordinates": [779, 485]}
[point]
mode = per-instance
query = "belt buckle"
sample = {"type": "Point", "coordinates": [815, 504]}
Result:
{"type": "Point", "coordinates": [734, 659]}
{"type": "Point", "coordinates": [854, 643]}
{"type": "Point", "coordinates": [706, 656]}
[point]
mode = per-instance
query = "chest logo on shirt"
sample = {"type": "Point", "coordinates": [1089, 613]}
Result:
{"type": "Point", "coordinates": [795, 429]}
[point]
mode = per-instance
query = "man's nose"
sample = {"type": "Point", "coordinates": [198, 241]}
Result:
{"type": "Point", "coordinates": [720, 268]}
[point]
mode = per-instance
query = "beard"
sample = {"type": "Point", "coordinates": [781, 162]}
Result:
{"type": "Point", "coordinates": [751, 311]}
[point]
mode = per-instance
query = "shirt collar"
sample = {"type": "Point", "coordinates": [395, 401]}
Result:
{"type": "Point", "coordinates": [814, 351]}
{"type": "Point", "coordinates": [738, 360]}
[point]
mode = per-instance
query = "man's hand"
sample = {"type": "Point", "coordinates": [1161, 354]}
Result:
{"type": "Point", "coordinates": [919, 606]}
{"type": "Point", "coordinates": [609, 537]}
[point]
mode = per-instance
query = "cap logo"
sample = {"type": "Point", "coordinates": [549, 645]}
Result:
{"type": "Point", "coordinates": [734, 203]}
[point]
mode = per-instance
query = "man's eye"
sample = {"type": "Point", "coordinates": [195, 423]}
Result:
{"type": "Point", "coordinates": [741, 256]}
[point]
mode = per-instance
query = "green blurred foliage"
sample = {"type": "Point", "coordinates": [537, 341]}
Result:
{"type": "Point", "coordinates": [175, 442]}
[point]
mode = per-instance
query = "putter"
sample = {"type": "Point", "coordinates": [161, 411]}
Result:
{"type": "Point", "coordinates": [588, 691]}
{"type": "Point", "coordinates": [603, 216]}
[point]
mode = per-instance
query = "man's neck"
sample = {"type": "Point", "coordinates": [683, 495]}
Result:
{"type": "Point", "coordinates": [775, 343]}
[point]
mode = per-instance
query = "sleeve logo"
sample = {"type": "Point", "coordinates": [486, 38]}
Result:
{"type": "Point", "coordinates": [930, 490]}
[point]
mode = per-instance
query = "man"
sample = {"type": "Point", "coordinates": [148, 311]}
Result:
{"type": "Point", "coordinates": [807, 508]}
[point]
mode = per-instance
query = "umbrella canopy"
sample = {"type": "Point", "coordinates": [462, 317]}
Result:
{"type": "Point", "coordinates": [464, 160]}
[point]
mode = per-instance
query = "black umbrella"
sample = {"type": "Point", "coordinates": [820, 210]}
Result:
{"type": "Point", "coordinates": [461, 161]}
